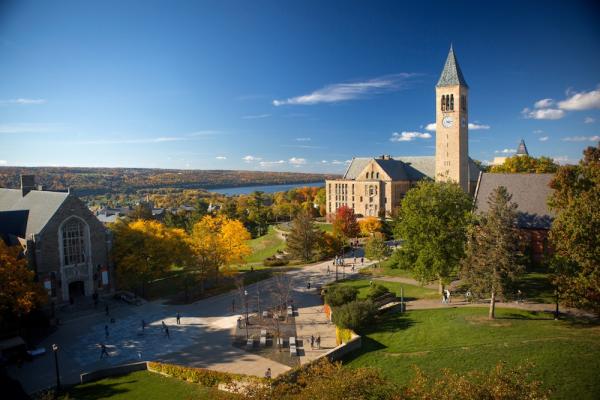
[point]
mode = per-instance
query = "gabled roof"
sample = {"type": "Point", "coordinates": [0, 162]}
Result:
{"type": "Point", "coordinates": [529, 191]}
{"type": "Point", "coordinates": [418, 167]}
{"type": "Point", "coordinates": [41, 205]}
{"type": "Point", "coordinates": [394, 168]}
{"type": "Point", "coordinates": [522, 149]}
{"type": "Point", "coordinates": [356, 167]}
{"type": "Point", "coordinates": [451, 75]}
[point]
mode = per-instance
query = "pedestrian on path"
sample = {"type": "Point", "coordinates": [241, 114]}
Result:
{"type": "Point", "coordinates": [447, 292]}
{"type": "Point", "coordinates": [106, 331]}
{"type": "Point", "coordinates": [318, 340]}
{"type": "Point", "coordinates": [312, 342]}
{"type": "Point", "coordinates": [103, 352]}
{"type": "Point", "coordinates": [328, 269]}
{"type": "Point", "coordinates": [167, 332]}
{"type": "Point", "coordinates": [164, 326]}
{"type": "Point", "coordinates": [239, 322]}
{"type": "Point", "coordinates": [362, 261]}
{"type": "Point", "coordinates": [178, 319]}
{"type": "Point", "coordinates": [143, 325]}
{"type": "Point", "coordinates": [106, 309]}
{"type": "Point", "coordinates": [268, 373]}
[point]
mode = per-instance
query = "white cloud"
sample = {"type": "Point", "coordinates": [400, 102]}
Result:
{"type": "Point", "coordinates": [505, 151]}
{"type": "Point", "coordinates": [581, 101]}
{"type": "Point", "coordinates": [348, 91]}
{"type": "Point", "coordinates": [562, 160]}
{"type": "Point", "coordinates": [135, 141]}
{"type": "Point", "coordinates": [24, 101]}
{"type": "Point", "coordinates": [297, 161]}
{"type": "Point", "coordinates": [271, 163]}
{"type": "Point", "coordinates": [29, 128]}
{"type": "Point", "coordinates": [250, 158]}
{"type": "Point", "coordinates": [303, 139]}
{"type": "Point", "coordinates": [547, 113]}
{"type": "Point", "coordinates": [544, 103]}
{"type": "Point", "coordinates": [3, 162]}
{"type": "Point", "coordinates": [430, 127]}
{"type": "Point", "coordinates": [221, 158]}
{"type": "Point", "coordinates": [408, 136]}
{"type": "Point", "coordinates": [259, 116]}
{"type": "Point", "coordinates": [477, 127]}
{"type": "Point", "coordinates": [538, 131]}
{"type": "Point", "coordinates": [206, 132]}
{"type": "Point", "coordinates": [581, 139]}
{"type": "Point", "coordinates": [337, 162]}
{"type": "Point", "coordinates": [323, 161]}
{"type": "Point", "coordinates": [543, 138]}
{"type": "Point", "coordinates": [589, 120]}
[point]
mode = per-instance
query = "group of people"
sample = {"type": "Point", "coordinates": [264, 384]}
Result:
{"type": "Point", "coordinates": [315, 342]}
{"type": "Point", "coordinates": [446, 296]}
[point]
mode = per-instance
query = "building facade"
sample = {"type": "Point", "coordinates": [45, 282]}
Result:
{"type": "Point", "coordinates": [65, 244]}
{"type": "Point", "coordinates": [375, 186]}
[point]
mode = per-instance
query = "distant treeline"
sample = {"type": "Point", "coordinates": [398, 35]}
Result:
{"type": "Point", "coordinates": [90, 181]}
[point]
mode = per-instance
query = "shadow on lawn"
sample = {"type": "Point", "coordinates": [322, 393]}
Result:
{"type": "Point", "coordinates": [99, 390]}
{"type": "Point", "coordinates": [531, 316]}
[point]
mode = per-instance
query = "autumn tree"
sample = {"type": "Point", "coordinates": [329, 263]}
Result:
{"type": "Point", "coordinates": [303, 238]}
{"type": "Point", "coordinates": [524, 163]}
{"type": "Point", "coordinates": [369, 225]}
{"type": "Point", "coordinates": [575, 232]}
{"type": "Point", "coordinates": [218, 241]}
{"type": "Point", "coordinates": [492, 259]}
{"type": "Point", "coordinates": [345, 224]}
{"type": "Point", "coordinates": [145, 250]}
{"type": "Point", "coordinates": [432, 222]}
{"type": "Point", "coordinates": [376, 248]}
{"type": "Point", "coordinates": [19, 293]}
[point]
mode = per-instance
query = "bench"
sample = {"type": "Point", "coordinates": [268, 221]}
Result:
{"type": "Point", "coordinates": [292, 341]}
{"type": "Point", "coordinates": [293, 350]}
{"type": "Point", "coordinates": [250, 342]}
{"type": "Point", "coordinates": [265, 314]}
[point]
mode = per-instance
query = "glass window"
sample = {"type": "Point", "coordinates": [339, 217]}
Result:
{"type": "Point", "coordinates": [73, 236]}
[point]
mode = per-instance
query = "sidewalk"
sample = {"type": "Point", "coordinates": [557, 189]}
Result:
{"type": "Point", "coordinates": [313, 321]}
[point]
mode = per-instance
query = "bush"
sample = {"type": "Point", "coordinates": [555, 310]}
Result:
{"type": "Point", "coordinates": [275, 262]}
{"type": "Point", "coordinates": [340, 295]}
{"type": "Point", "coordinates": [354, 315]}
{"type": "Point", "coordinates": [377, 291]}
{"type": "Point", "coordinates": [205, 377]}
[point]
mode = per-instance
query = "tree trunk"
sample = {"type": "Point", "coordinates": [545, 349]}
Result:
{"type": "Point", "coordinates": [492, 313]}
{"type": "Point", "coordinates": [440, 285]}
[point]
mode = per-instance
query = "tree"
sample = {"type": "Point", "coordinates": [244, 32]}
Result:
{"type": "Point", "coordinates": [344, 223]}
{"type": "Point", "coordinates": [370, 225]}
{"type": "Point", "coordinates": [141, 211]}
{"type": "Point", "coordinates": [145, 250]}
{"type": "Point", "coordinates": [492, 255]}
{"type": "Point", "coordinates": [304, 237]}
{"type": "Point", "coordinates": [521, 164]}
{"type": "Point", "coordinates": [575, 232]}
{"type": "Point", "coordinates": [355, 315]}
{"type": "Point", "coordinates": [340, 294]}
{"type": "Point", "coordinates": [218, 241]}
{"type": "Point", "coordinates": [19, 293]}
{"type": "Point", "coordinates": [376, 248]}
{"type": "Point", "coordinates": [432, 222]}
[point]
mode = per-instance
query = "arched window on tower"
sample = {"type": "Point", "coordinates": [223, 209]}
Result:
{"type": "Point", "coordinates": [451, 102]}
{"type": "Point", "coordinates": [463, 102]}
{"type": "Point", "coordinates": [447, 102]}
{"type": "Point", "coordinates": [443, 102]}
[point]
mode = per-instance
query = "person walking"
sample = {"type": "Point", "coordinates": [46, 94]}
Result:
{"type": "Point", "coordinates": [362, 261]}
{"type": "Point", "coordinates": [104, 351]}
{"type": "Point", "coordinates": [106, 309]}
{"type": "Point", "coordinates": [312, 342]}
{"type": "Point", "coordinates": [268, 373]}
{"type": "Point", "coordinates": [106, 331]}
{"type": "Point", "coordinates": [164, 326]}
{"type": "Point", "coordinates": [447, 296]}
{"type": "Point", "coordinates": [178, 319]}
{"type": "Point", "coordinates": [143, 325]}
{"type": "Point", "coordinates": [167, 332]}
{"type": "Point", "coordinates": [318, 340]}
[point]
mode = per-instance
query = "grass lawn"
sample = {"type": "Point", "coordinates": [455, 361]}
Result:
{"type": "Point", "coordinates": [536, 286]}
{"type": "Point", "coordinates": [141, 385]}
{"type": "Point", "coordinates": [565, 354]}
{"type": "Point", "coordinates": [265, 246]}
{"type": "Point", "coordinates": [325, 227]}
{"type": "Point", "coordinates": [411, 292]}
{"type": "Point", "coordinates": [386, 268]}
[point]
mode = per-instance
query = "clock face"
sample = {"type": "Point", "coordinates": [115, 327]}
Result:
{"type": "Point", "coordinates": [447, 122]}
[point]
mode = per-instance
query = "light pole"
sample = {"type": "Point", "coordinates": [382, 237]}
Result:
{"type": "Point", "coordinates": [246, 303]}
{"type": "Point", "coordinates": [276, 317]}
{"type": "Point", "coordinates": [55, 350]}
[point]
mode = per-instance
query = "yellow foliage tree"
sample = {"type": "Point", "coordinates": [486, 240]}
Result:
{"type": "Point", "coordinates": [218, 241]}
{"type": "Point", "coordinates": [19, 294]}
{"type": "Point", "coordinates": [369, 225]}
{"type": "Point", "coordinates": [145, 250]}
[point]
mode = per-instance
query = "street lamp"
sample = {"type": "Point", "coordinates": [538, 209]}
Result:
{"type": "Point", "coordinates": [246, 302]}
{"type": "Point", "coordinates": [55, 350]}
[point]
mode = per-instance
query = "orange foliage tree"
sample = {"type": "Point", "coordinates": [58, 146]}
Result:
{"type": "Point", "coordinates": [369, 225]}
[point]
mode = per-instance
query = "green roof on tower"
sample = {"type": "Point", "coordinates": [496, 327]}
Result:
{"type": "Point", "coordinates": [451, 75]}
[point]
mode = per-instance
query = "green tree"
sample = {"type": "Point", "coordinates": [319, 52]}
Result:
{"type": "Point", "coordinates": [575, 232]}
{"type": "Point", "coordinates": [522, 164]}
{"type": "Point", "coordinates": [304, 237]}
{"type": "Point", "coordinates": [492, 255]}
{"type": "Point", "coordinates": [355, 315]}
{"type": "Point", "coordinates": [340, 294]}
{"type": "Point", "coordinates": [376, 248]}
{"type": "Point", "coordinates": [432, 222]}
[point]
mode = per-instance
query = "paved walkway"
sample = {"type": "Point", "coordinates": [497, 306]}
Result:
{"type": "Point", "coordinates": [312, 321]}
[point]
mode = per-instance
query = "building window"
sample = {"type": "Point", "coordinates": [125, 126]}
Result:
{"type": "Point", "coordinates": [73, 235]}
{"type": "Point", "coordinates": [444, 103]}
{"type": "Point", "coordinates": [451, 102]}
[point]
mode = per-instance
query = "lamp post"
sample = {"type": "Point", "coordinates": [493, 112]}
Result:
{"type": "Point", "coordinates": [55, 350]}
{"type": "Point", "coordinates": [246, 303]}
{"type": "Point", "coordinates": [276, 317]}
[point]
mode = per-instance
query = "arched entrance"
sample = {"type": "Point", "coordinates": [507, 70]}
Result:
{"type": "Point", "coordinates": [76, 289]}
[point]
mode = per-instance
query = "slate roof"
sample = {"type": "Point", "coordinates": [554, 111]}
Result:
{"type": "Point", "coordinates": [522, 149]}
{"type": "Point", "coordinates": [394, 168]}
{"type": "Point", "coordinates": [529, 191]}
{"type": "Point", "coordinates": [41, 206]}
{"type": "Point", "coordinates": [451, 75]}
{"type": "Point", "coordinates": [356, 167]}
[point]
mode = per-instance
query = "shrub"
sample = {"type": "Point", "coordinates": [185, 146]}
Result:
{"type": "Point", "coordinates": [377, 291]}
{"type": "Point", "coordinates": [339, 295]}
{"type": "Point", "coordinates": [354, 315]}
{"type": "Point", "coordinates": [205, 377]}
{"type": "Point", "coordinates": [275, 261]}
{"type": "Point", "coordinates": [342, 335]}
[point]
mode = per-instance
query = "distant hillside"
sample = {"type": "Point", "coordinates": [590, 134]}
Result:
{"type": "Point", "coordinates": [86, 181]}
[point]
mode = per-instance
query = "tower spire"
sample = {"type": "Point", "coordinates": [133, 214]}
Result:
{"type": "Point", "coordinates": [451, 74]}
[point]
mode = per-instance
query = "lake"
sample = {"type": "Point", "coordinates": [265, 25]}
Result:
{"type": "Point", "coordinates": [232, 191]}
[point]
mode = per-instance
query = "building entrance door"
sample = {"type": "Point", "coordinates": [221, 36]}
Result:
{"type": "Point", "coordinates": [76, 289]}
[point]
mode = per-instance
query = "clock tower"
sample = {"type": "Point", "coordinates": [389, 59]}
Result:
{"type": "Point", "coordinates": [452, 125]}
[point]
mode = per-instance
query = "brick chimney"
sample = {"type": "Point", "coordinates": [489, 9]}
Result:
{"type": "Point", "coordinates": [27, 184]}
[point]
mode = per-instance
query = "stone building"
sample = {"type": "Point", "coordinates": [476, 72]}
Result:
{"type": "Point", "coordinates": [65, 244]}
{"type": "Point", "coordinates": [375, 186]}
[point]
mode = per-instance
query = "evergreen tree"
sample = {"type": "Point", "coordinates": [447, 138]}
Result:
{"type": "Point", "coordinates": [304, 237]}
{"type": "Point", "coordinates": [492, 253]}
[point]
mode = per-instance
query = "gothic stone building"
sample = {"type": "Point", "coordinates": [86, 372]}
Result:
{"type": "Point", "coordinates": [65, 244]}
{"type": "Point", "coordinates": [375, 186]}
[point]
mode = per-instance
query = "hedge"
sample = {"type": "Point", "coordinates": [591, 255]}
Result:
{"type": "Point", "coordinates": [205, 377]}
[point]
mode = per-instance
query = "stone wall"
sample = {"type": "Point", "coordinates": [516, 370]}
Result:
{"type": "Point", "coordinates": [113, 371]}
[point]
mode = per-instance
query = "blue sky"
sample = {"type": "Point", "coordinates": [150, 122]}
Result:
{"type": "Point", "coordinates": [281, 85]}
